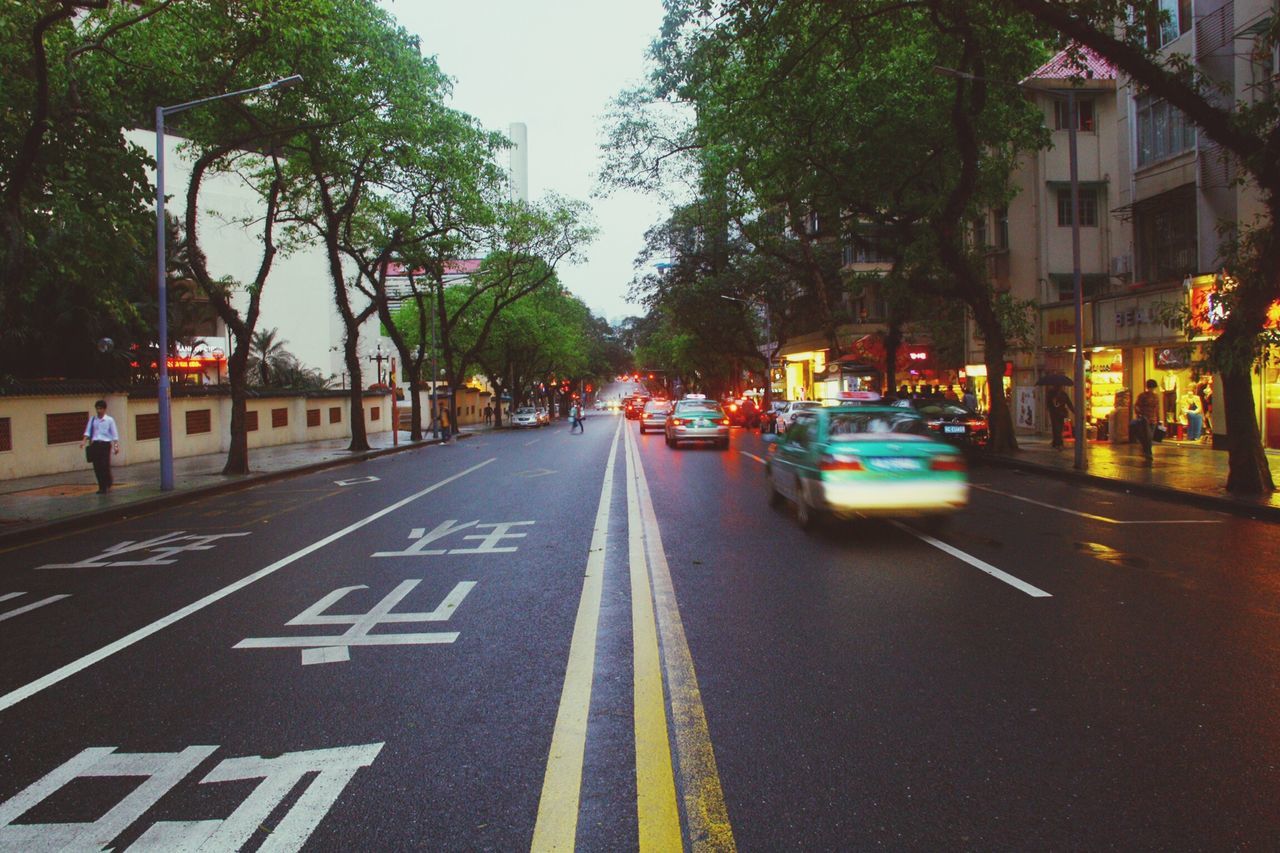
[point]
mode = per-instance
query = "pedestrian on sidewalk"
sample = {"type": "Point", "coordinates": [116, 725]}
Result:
{"type": "Point", "coordinates": [1059, 407]}
{"type": "Point", "coordinates": [575, 418]}
{"type": "Point", "coordinates": [446, 423]}
{"type": "Point", "coordinates": [103, 439]}
{"type": "Point", "coordinates": [1147, 407]}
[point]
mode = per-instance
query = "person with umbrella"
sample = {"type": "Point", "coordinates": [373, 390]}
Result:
{"type": "Point", "coordinates": [1059, 403]}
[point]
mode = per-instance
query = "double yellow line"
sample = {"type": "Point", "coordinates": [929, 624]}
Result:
{"type": "Point", "coordinates": [664, 781]}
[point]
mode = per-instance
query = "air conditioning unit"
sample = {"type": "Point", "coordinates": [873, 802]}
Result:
{"type": "Point", "coordinates": [1121, 264]}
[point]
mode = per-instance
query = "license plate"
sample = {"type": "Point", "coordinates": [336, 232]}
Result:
{"type": "Point", "coordinates": [953, 428]}
{"type": "Point", "coordinates": [895, 464]}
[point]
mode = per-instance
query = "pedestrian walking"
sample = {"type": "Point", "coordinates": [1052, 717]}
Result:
{"type": "Point", "coordinates": [1147, 407]}
{"type": "Point", "coordinates": [575, 418]}
{"type": "Point", "coordinates": [1060, 407]}
{"type": "Point", "coordinates": [446, 422]}
{"type": "Point", "coordinates": [488, 415]}
{"type": "Point", "coordinates": [970, 399]}
{"type": "Point", "coordinates": [103, 439]}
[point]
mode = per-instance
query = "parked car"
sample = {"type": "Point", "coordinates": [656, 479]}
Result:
{"type": "Point", "coordinates": [951, 421]}
{"type": "Point", "coordinates": [525, 416]}
{"type": "Point", "coordinates": [696, 418]}
{"type": "Point", "coordinates": [865, 460]}
{"type": "Point", "coordinates": [654, 415]}
{"type": "Point", "coordinates": [790, 408]}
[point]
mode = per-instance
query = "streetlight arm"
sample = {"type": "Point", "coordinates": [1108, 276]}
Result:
{"type": "Point", "coordinates": [265, 87]}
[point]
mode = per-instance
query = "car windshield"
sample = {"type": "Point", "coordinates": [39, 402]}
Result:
{"type": "Point", "coordinates": [661, 406]}
{"type": "Point", "coordinates": [854, 426]}
{"type": "Point", "coordinates": [698, 407]}
{"type": "Point", "coordinates": [526, 410]}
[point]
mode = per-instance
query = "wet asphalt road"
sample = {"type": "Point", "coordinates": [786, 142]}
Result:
{"type": "Point", "coordinates": [389, 664]}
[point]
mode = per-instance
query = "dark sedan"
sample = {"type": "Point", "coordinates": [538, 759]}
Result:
{"type": "Point", "coordinates": [951, 422]}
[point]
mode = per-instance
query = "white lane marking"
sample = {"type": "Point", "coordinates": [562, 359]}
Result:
{"type": "Point", "coordinates": [532, 441]}
{"type": "Point", "coordinates": [356, 481]}
{"type": "Point", "coordinates": [13, 697]}
{"type": "Point", "coordinates": [752, 456]}
{"type": "Point", "coordinates": [1093, 517]}
{"type": "Point", "coordinates": [18, 611]}
{"type": "Point", "coordinates": [1034, 592]}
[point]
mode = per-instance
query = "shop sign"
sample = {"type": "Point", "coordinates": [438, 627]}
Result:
{"type": "Point", "coordinates": [1209, 310]}
{"type": "Point", "coordinates": [1136, 318]}
{"type": "Point", "coordinates": [1172, 358]}
{"type": "Point", "coordinates": [1058, 327]}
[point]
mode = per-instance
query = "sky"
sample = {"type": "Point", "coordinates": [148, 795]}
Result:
{"type": "Point", "coordinates": [554, 65]}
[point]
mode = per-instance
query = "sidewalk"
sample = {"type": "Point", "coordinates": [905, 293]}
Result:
{"type": "Point", "coordinates": [31, 507]}
{"type": "Point", "coordinates": [1187, 472]}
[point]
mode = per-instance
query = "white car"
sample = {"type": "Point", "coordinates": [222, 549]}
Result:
{"type": "Point", "coordinates": [788, 411]}
{"type": "Point", "coordinates": [525, 416]}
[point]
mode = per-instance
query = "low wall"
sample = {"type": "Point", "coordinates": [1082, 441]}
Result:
{"type": "Point", "coordinates": [40, 433]}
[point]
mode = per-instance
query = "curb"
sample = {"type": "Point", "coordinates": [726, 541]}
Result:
{"type": "Point", "coordinates": [1231, 506]}
{"type": "Point", "coordinates": [81, 521]}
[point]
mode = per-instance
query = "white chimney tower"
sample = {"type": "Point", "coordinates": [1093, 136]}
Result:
{"type": "Point", "coordinates": [518, 171]}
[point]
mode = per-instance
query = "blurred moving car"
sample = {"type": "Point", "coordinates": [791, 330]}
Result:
{"type": "Point", "coordinates": [633, 405]}
{"type": "Point", "coordinates": [951, 421]}
{"type": "Point", "coordinates": [654, 415]}
{"type": "Point", "coordinates": [544, 416]}
{"type": "Point", "coordinates": [743, 412]}
{"type": "Point", "coordinates": [695, 418]}
{"type": "Point", "coordinates": [789, 410]}
{"type": "Point", "coordinates": [865, 460]}
{"type": "Point", "coordinates": [525, 416]}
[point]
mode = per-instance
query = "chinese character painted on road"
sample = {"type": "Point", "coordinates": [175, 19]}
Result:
{"type": "Point", "coordinates": [490, 543]}
{"type": "Point", "coordinates": [335, 648]}
{"type": "Point", "coordinates": [163, 771]}
{"type": "Point", "coordinates": [163, 551]}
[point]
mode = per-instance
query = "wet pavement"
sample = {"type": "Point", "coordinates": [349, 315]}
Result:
{"type": "Point", "coordinates": [1188, 472]}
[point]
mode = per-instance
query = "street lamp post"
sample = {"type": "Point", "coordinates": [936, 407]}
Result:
{"type": "Point", "coordinates": [162, 327]}
{"type": "Point", "coordinates": [1069, 94]}
{"type": "Point", "coordinates": [768, 334]}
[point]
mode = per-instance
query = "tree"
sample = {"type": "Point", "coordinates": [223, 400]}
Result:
{"type": "Point", "coordinates": [1250, 133]}
{"type": "Point", "coordinates": [267, 355]}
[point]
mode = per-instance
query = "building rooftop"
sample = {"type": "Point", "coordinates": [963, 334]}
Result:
{"type": "Point", "coordinates": [1072, 62]}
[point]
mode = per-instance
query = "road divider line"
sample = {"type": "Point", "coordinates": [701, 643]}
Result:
{"type": "Point", "coordinates": [656, 804]}
{"type": "Point", "coordinates": [1093, 517]}
{"type": "Point", "coordinates": [557, 823]}
{"type": "Point", "coordinates": [13, 697]}
{"type": "Point", "coordinates": [752, 456]}
{"type": "Point", "coordinates": [1034, 592]}
{"type": "Point", "coordinates": [706, 815]}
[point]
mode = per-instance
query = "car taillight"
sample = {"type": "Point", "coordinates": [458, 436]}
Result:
{"type": "Point", "coordinates": [732, 407]}
{"type": "Point", "coordinates": [947, 463]}
{"type": "Point", "coordinates": [830, 462]}
{"type": "Point", "coordinates": [678, 421]}
{"type": "Point", "coordinates": [723, 422]}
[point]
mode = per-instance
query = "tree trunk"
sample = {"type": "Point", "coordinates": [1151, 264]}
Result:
{"type": "Point", "coordinates": [1248, 473]}
{"type": "Point", "coordinates": [892, 340]}
{"type": "Point", "coordinates": [238, 377]}
{"type": "Point", "coordinates": [415, 407]}
{"type": "Point", "coordinates": [359, 436]}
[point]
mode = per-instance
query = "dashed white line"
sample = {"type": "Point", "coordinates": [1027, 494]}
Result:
{"type": "Point", "coordinates": [981, 565]}
{"type": "Point", "coordinates": [1093, 517]}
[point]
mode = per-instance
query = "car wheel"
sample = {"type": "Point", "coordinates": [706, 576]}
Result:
{"type": "Point", "coordinates": [775, 496]}
{"type": "Point", "coordinates": [642, 429]}
{"type": "Point", "coordinates": [670, 442]}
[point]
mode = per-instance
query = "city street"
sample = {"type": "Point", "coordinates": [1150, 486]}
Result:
{"type": "Point", "coordinates": [534, 638]}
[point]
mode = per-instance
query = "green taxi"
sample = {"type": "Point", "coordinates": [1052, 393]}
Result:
{"type": "Point", "coordinates": [851, 460]}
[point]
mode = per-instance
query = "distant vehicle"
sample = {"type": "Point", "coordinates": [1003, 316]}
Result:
{"type": "Point", "coordinates": [743, 412]}
{"type": "Point", "coordinates": [789, 410]}
{"type": "Point", "coordinates": [598, 405]}
{"type": "Point", "coordinates": [544, 416]}
{"type": "Point", "coordinates": [695, 418]}
{"type": "Point", "coordinates": [525, 416]}
{"type": "Point", "coordinates": [865, 460]}
{"type": "Point", "coordinates": [654, 415]}
{"type": "Point", "coordinates": [951, 422]}
{"type": "Point", "coordinates": [633, 405]}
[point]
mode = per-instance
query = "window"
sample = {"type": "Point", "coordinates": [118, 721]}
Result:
{"type": "Point", "coordinates": [6, 435]}
{"type": "Point", "coordinates": [313, 417]}
{"type": "Point", "coordinates": [980, 240]}
{"type": "Point", "coordinates": [1084, 115]}
{"type": "Point", "coordinates": [1162, 131]}
{"type": "Point", "coordinates": [198, 421]}
{"type": "Point", "coordinates": [146, 427]}
{"type": "Point", "coordinates": [1088, 207]}
{"type": "Point", "coordinates": [1165, 229]}
{"type": "Point", "coordinates": [1172, 19]}
{"type": "Point", "coordinates": [375, 413]}
{"type": "Point", "coordinates": [251, 421]}
{"type": "Point", "coordinates": [64, 427]}
{"type": "Point", "coordinates": [1002, 229]}
{"type": "Point", "coordinates": [279, 418]}
{"type": "Point", "coordinates": [335, 414]}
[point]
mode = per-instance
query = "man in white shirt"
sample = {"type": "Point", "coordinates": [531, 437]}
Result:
{"type": "Point", "coordinates": [103, 439]}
